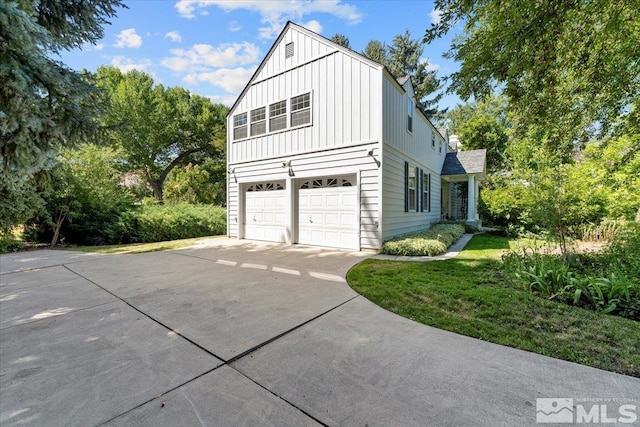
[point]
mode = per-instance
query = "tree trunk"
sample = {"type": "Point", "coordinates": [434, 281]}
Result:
{"type": "Point", "coordinates": [56, 231]}
{"type": "Point", "coordinates": [158, 192]}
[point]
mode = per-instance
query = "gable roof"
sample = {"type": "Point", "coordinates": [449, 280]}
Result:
{"type": "Point", "coordinates": [400, 81]}
{"type": "Point", "coordinates": [465, 162]}
{"type": "Point", "coordinates": [277, 42]}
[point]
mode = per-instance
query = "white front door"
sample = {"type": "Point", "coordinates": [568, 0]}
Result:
{"type": "Point", "coordinates": [328, 212]}
{"type": "Point", "coordinates": [265, 211]}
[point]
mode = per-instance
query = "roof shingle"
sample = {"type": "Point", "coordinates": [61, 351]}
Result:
{"type": "Point", "coordinates": [464, 162]}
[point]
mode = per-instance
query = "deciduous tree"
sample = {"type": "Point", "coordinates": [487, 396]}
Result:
{"type": "Point", "coordinates": [157, 128]}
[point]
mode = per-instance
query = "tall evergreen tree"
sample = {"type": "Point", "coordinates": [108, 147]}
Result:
{"type": "Point", "coordinates": [43, 103]}
{"type": "Point", "coordinates": [376, 51]}
{"type": "Point", "coordinates": [341, 39]}
{"type": "Point", "coordinates": [405, 59]}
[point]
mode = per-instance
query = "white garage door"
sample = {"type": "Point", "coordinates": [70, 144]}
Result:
{"type": "Point", "coordinates": [265, 211]}
{"type": "Point", "coordinates": [327, 212]}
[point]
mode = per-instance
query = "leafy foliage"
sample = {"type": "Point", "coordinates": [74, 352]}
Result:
{"type": "Point", "coordinates": [376, 51]}
{"type": "Point", "coordinates": [83, 197]}
{"type": "Point", "coordinates": [607, 282]}
{"type": "Point", "coordinates": [196, 184]}
{"type": "Point", "coordinates": [482, 124]}
{"type": "Point", "coordinates": [158, 129]}
{"type": "Point", "coordinates": [404, 58]}
{"type": "Point", "coordinates": [433, 241]}
{"type": "Point", "coordinates": [43, 103]}
{"type": "Point", "coordinates": [564, 66]}
{"type": "Point", "coordinates": [341, 39]}
{"type": "Point", "coordinates": [156, 223]}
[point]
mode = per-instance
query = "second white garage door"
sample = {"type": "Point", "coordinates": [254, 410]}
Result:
{"type": "Point", "coordinates": [265, 211]}
{"type": "Point", "coordinates": [327, 212]}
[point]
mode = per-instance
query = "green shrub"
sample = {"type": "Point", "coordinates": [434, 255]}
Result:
{"type": "Point", "coordinates": [607, 282]}
{"type": "Point", "coordinates": [156, 223]}
{"type": "Point", "coordinates": [433, 241]}
{"type": "Point", "coordinates": [10, 244]}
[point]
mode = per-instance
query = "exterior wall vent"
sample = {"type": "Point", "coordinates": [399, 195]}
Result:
{"type": "Point", "coordinates": [288, 50]}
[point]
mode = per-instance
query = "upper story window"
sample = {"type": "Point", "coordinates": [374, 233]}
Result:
{"type": "Point", "coordinates": [240, 126]}
{"type": "Point", "coordinates": [278, 116]}
{"type": "Point", "coordinates": [440, 147]}
{"type": "Point", "coordinates": [433, 140]}
{"type": "Point", "coordinates": [410, 115]}
{"type": "Point", "coordinates": [258, 121]}
{"type": "Point", "coordinates": [301, 110]}
{"type": "Point", "coordinates": [254, 123]}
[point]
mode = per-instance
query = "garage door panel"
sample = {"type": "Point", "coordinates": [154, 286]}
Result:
{"type": "Point", "coordinates": [327, 215]}
{"type": "Point", "coordinates": [265, 213]}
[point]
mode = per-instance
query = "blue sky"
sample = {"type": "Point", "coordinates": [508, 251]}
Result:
{"type": "Point", "coordinates": [212, 47]}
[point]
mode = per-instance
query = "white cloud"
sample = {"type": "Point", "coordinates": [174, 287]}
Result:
{"type": "Point", "coordinates": [234, 26]}
{"type": "Point", "coordinates": [174, 36]}
{"type": "Point", "coordinates": [430, 65]}
{"type": "Point", "coordinates": [90, 46]}
{"type": "Point", "coordinates": [232, 80]}
{"type": "Point", "coordinates": [226, 100]}
{"type": "Point", "coordinates": [314, 26]}
{"type": "Point", "coordinates": [127, 64]}
{"type": "Point", "coordinates": [436, 16]}
{"type": "Point", "coordinates": [99, 46]}
{"type": "Point", "coordinates": [128, 38]}
{"type": "Point", "coordinates": [201, 57]}
{"type": "Point", "coordinates": [275, 13]}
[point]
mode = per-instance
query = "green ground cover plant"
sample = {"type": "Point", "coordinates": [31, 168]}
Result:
{"type": "Point", "coordinates": [471, 295]}
{"type": "Point", "coordinates": [606, 282]}
{"type": "Point", "coordinates": [433, 241]}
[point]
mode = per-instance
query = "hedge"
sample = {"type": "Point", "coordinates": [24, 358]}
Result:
{"type": "Point", "coordinates": [433, 241]}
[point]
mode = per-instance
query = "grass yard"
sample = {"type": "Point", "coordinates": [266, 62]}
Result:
{"type": "Point", "coordinates": [136, 248]}
{"type": "Point", "coordinates": [468, 295]}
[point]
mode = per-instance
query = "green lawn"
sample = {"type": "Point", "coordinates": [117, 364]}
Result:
{"type": "Point", "coordinates": [135, 248]}
{"type": "Point", "coordinates": [467, 295]}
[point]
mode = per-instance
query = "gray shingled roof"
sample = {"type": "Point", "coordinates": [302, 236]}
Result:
{"type": "Point", "coordinates": [464, 162]}
{"type": "Point", "coordinates": [402, 80]}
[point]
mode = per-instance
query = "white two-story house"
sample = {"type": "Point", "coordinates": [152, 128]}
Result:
{"type": "Point", "coordinates": [325, 147]}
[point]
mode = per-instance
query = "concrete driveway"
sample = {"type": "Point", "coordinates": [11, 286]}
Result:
{"type": "Point", "coordinates": [245, 333]}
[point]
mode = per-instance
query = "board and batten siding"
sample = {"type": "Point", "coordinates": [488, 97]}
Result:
{"type": "Point", "coordinates": [413, 147]}
{"type": "Point", "coordinates": [342, 161]}
{"type": "Point", "coordinates": [345, 100]}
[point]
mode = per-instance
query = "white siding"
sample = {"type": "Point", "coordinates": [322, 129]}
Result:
{"type": "Point", "coordinates": [345, 96]}
{"type": "Point", "coordinates": [396, 220]}
{"type": "Point", "coordinates": [415, 147]}
{"type": "Point", "coordinates": [342, 161]}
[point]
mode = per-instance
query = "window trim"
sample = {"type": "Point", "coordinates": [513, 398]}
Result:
{"type": "Point", "coordinates": [426, 192]}
{"type": "Point", "coordinates": [257, 122]}
{"type": "Point", "coordinates": [415, 187]}
{"type": "Point", "coordinates": [310, 110]}
{"type": "Point", "coordinates": [268, 117]}
{"type": "Point", "coordinates": [283, 114]}
{"type": "Point", "coordinates": [245, 125]}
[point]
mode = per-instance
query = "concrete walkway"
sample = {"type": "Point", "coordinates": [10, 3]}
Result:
{"type": "Point", "coordinates": [246, 333]}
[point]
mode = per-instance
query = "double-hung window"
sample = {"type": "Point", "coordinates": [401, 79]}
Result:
{"type": "Point", "coordinates": [278, 116]}
{"type": "Point", "coordinates": [240, 126]}
{"type": "Point", "coordinates": [426, 187]}
{"type": "Point", "coordinates": [412, 186]}
{"type": "Point", "coordinates": [410, 116]}
{"type": "Point", "coordinates": [301, 110]}
{"type": "Point", "coordinates": [258, 121]}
